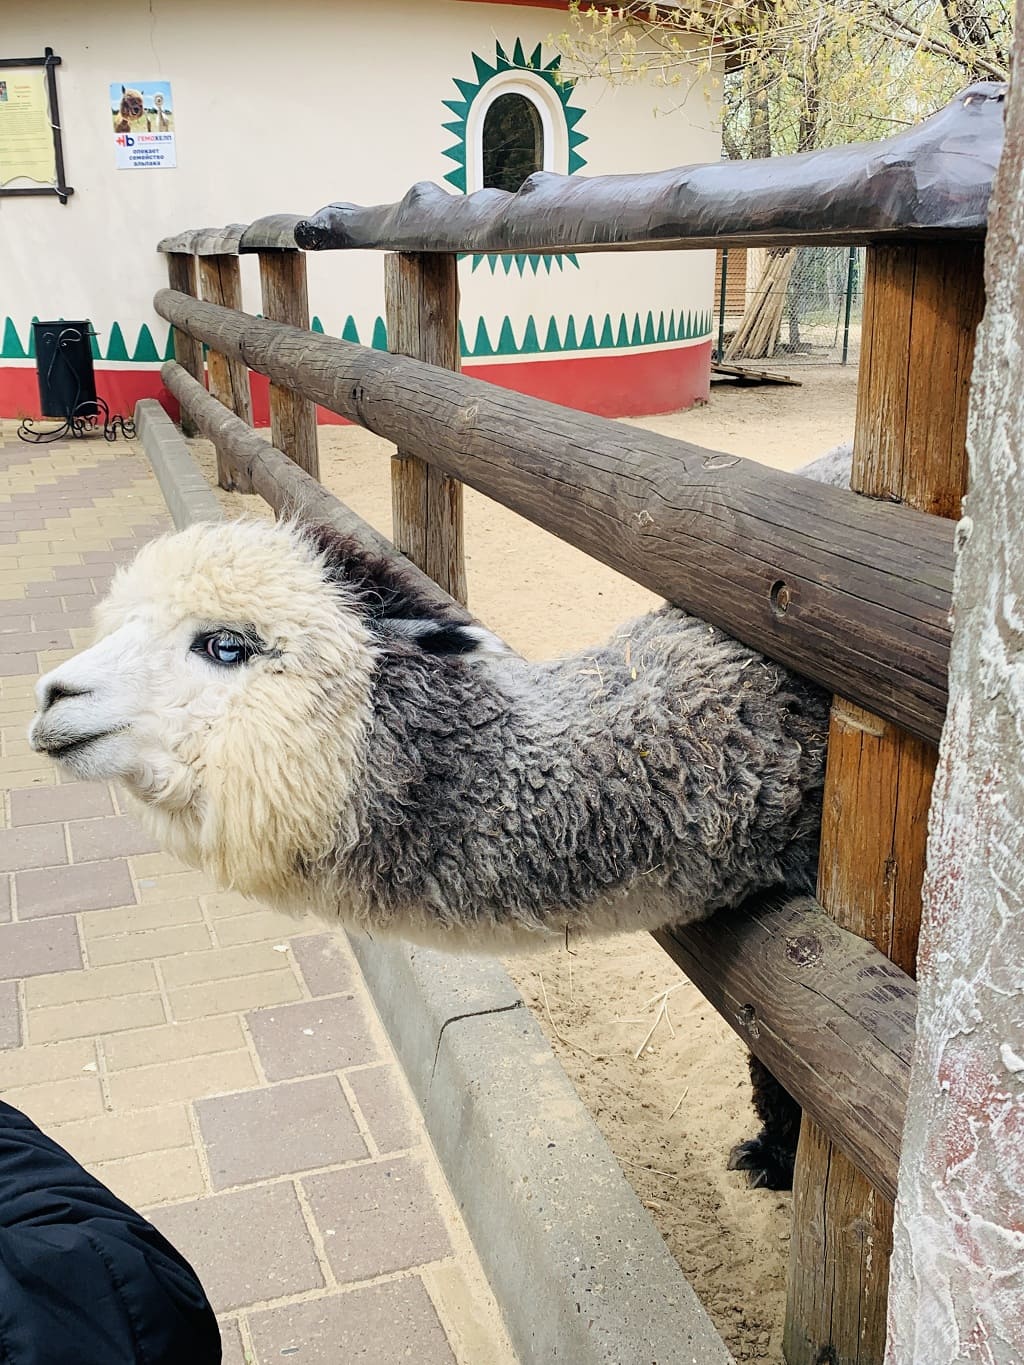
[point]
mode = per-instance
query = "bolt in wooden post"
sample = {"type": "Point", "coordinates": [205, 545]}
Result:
{"type": "Point", "coordinates": [421, 294]}
{"type": "Point", "coordinates": [285, 299]}
{"type": "Point", "coordinates": [220, 281]}
{"type": "Point", "coordinates": [181, 275]}
{"type": "Point", "coordinates": [922, 304]}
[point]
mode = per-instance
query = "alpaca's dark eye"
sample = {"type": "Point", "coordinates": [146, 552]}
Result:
{"type": "Point", "coordinates": [227, 647]}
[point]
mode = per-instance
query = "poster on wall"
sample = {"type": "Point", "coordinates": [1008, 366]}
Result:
{"type": "Point", "coordinates": [142, 113]}
{"type": "Point", "coordinates": [26, 137]}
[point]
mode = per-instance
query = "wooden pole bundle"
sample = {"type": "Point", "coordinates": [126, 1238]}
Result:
{"type": "Point", "coordinates": [758, 332]}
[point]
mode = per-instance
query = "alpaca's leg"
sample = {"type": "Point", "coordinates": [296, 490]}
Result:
{"type": "Point", "coordinates": [768, 1158]}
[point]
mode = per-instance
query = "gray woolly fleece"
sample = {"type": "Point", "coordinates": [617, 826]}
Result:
{"type": "Point", "coordinates": [665, 775]}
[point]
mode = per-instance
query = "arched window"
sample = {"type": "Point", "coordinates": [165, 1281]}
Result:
{"type": "Point", "coordinates": [513, 141]}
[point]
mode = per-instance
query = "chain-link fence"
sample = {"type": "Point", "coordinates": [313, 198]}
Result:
{"type": "Point", "coordinates": [799, 305]}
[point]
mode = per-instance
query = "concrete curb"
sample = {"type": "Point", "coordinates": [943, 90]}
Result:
{"type": "Point", "coordinates": [188, 495]}
{"type": "Point", "coordinates": [580, 1273]}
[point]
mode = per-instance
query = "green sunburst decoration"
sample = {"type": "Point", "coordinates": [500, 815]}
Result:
{"type": "Point", "coordinates": [457, 152]}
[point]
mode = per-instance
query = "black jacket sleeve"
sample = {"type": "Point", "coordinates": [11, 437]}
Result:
{"type": "Point", "coordinates": [84, 1279]}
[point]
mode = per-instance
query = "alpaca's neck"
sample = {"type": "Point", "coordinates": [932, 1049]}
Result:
{"type": "Point", "coordinates": [656, 779]}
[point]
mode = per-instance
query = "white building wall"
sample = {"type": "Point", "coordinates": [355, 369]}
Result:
{"type": "Point", "coordinates": [285, 107]}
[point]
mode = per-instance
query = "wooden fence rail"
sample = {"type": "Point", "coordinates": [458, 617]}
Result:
{"type": "Point", "coordinates": [825, 1010]}
{"type": "Point", "coordinates": [850, 592]}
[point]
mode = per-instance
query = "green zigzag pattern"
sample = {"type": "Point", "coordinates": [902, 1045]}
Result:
{"type": "Point", "coordinates": [144, 349]}
{"type": "Point", "coordinates": [486, 71]}
{"type": "Point", "coordinates": [596, 334]}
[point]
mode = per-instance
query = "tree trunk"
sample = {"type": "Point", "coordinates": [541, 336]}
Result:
{"type": "Point", "coordinates": [957, 1288]}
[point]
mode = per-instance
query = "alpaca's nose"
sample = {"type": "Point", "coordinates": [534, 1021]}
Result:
{"type": "Point", "coordinates": [53, 691]}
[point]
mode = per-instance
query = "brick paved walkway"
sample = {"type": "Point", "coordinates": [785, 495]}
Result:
{"type": "Point", "coordinates": [215, 1063]}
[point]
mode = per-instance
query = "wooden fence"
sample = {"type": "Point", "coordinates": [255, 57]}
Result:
{"type": "Point", "coordinates": [853, 592]}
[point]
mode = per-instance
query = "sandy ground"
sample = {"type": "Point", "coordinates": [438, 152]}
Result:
{"type": "Point", "coordinates": [672, 1101]}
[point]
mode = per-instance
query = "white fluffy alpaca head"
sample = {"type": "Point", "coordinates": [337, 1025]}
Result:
{"type": "Point", "coordinates": [229, 692]}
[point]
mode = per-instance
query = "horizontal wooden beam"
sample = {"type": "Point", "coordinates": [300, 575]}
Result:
{"type": "Point", "coordinates": [931, 180]}
{"type": "Point", "coordinates": [825, 1010]}
{"type": "Point", "coordinates": [852, 593]}
{"type": "Point", "coordinates": [205, 241]}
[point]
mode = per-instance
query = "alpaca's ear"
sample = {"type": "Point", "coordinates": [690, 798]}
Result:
{"type": "Point", "coordinates": [441, 637]}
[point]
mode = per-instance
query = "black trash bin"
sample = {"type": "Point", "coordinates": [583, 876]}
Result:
{"type": "Point", "coordinates": [67, 381]}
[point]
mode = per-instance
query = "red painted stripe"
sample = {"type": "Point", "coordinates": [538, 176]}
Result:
{"type": "Point", "coordinates": [624, 385]}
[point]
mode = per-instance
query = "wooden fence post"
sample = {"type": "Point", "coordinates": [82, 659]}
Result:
{"type": "Point", "coordinates": [421, 298]}
{"type": "Point", "coordinates": [922, 305]}
{"type": "Point", "coordinates": [285, 299]}
{"type": "Point", "coordinates": [220, 281]}
{"type": "Point", "coordinates": [181, 275]}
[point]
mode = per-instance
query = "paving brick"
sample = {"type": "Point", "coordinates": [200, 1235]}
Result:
{"type": "Point", "coordinates": [278, 1130]}
{"type": "Point", "coordinates": [5, 898]}
{"type": "Point", "coordinates": [146, 865]}
{"type": "Point", "coordinates": [18, 665]}
{"type": "Point", "coordinates": [226, 997]}
{"type": "Point", "coordinates": [64, 890]}
{"type": "Point", "coordinates": [110, 838]}
{"type": "Point", "coordinates": [311, 1037]}
{"type": "Point", "coordinates": [324, 969]}
{"type": "Point", "coordinates": [153, 1177]}
{"type": "Point", "coordinates": [378, 1325]}
{"type": "Point", "coordinates": [192, 1078]}
{"type": "Point", "coordinates": [232, 1352]}
{"type": "Point", "coordinates": [57, 1101]}
{"type": "Point", "coordinates": [110, 1137]}
{"type": "Point", "coordinates": [31, 846]}
{"type": "Point", "coordinates": [172, 1042]}
{"type": "Point", "coordinates": [71, 801]}
{"type": "Point", "coordinates": [173, 887]}
{"type": "Point", "coordinates": [147, 943]}
{"type": "Point", "coordinates": [222, 963]}
{"type": "Point", "coordinates": [388, 1111]}
{"type": "Point", "coordinates": [384, 1217]}
{"type": "Point", "coordinates": [40, 948]}
{"type": "Point", "coordinates": [53, 1062]}
{"type": "Point", "coordinates": [262, 926]}
{"type": "Point", "coordinates": [130, 919]}
{"type": "Point", "coordinates": [10, 1015]}
{"type": "Point", "coordinates": [99, 983]}
{"type": "Point", "coordinates": [223, 904]}
{"type": "Point", "coordinates": [96, 1016]}
{"type": "Point", "coordinates": [247, 1247]}
{"type": "Point", "coordinates": [26, 642]}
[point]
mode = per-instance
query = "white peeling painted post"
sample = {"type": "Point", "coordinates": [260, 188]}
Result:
{"type": "Point", "coordinates": [957, 1282]}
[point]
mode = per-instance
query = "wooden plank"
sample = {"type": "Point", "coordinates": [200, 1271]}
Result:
{"type": "Point", "coordinates": [220, 282]}
{"type": "Point", "coordinates": [292, 417]}
{"type": "Point", "coordinates": [931, 179]}
{"type": "Point", "coordinates": [421, 303]}
{"type": "Point", "coordinates": [850, 592]}
{"type": "Point", "coordinates": [181, 274]}
{"type": "Point", "coordinates": [922, 306]}
{"type": "Point", "coordinates": [750, 374]}
{"type": "Point", "coordinates": [831, 1017]}
{"type": "Point", "coordinates": [957, 1282]}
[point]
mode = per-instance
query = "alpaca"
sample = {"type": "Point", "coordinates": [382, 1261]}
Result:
{"type": "Point", "coordinates": [161, 118]}
{"type": "Point", "coordinates": [290, 714]}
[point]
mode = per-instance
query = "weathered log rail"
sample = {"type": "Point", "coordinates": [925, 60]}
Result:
{"type": "Point", "coordinates": [828, 1013]}
{"type": "Point", "coordinates": [852, 593]}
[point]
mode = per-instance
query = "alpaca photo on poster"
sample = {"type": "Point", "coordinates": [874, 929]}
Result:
{"type": "Point", "coordinates": [142, 113]}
